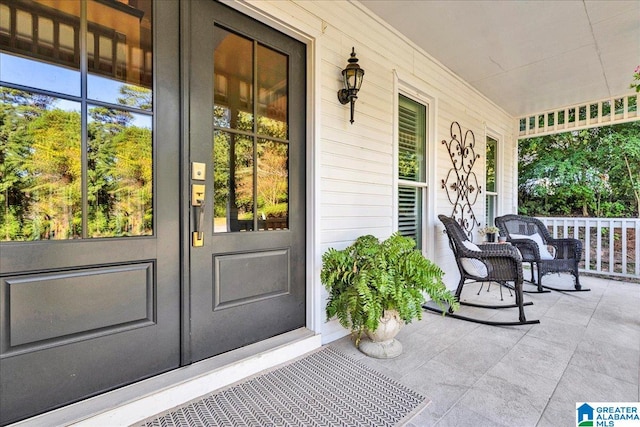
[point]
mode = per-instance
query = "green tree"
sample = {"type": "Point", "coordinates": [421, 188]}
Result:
{"type": "Point", "coordinates": [621, 149]}
{"type": "Point", "coordinates": [588, 172]}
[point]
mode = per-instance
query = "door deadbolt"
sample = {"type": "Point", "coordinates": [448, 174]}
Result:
{"type": "Point", "coordinates": [198, 171]}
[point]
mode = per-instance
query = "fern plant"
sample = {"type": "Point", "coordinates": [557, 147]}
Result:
{"type": "Point", "coordinates": [372, 276]}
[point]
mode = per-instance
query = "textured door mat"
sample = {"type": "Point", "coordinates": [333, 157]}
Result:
{"type": "Point", "coordinates": [325, 388]}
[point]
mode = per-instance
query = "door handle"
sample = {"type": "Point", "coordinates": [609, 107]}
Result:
{"type": "Point", "coordinates": [197, 201]}
{"type": "Point", "coordinates": [198, 234]}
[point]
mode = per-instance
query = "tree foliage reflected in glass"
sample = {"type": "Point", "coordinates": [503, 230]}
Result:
{"type": "Point", "coordinates": [40, 170]}
{"type": "Point", "coordinates": [250, 157]}
{"type": "Point", "coordinates": [120, 173]}
{"type": "Point", "coordinates": [45, 181]}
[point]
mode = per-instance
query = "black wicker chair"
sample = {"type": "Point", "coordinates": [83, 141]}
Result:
{"type": "Point", "coordinates": [532, 238]}
{"type": "Point", "coordinates": [484, 263]}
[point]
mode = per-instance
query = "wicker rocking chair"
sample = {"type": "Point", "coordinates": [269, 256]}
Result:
{"type": "Point", "coordinates": [484, 263]}
{"type": "Point", "coordinates": [532, 238]}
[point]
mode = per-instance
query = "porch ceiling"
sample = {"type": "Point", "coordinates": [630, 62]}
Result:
{"type": "Point", "coordinates": [527, 56]}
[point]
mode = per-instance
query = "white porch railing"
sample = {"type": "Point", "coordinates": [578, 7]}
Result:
{"type": "Point", "coordinates": [611, 245]}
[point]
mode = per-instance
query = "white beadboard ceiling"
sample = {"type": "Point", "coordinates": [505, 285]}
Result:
{"type": "Point", "coordinates": [526, 56]}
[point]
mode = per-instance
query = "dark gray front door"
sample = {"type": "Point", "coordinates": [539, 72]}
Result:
{"type": "Point", "coordinates": [247, 128]}
{"type": "Point", "coordinates": [89, 199]}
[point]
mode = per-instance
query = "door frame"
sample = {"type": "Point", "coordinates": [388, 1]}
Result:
{"type": "Point", "coordinates": [314, 312]}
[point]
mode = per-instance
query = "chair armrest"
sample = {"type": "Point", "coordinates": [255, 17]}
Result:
{"type": "Point", "coordinates": [567, 248]}
{"type": "Point", "coordinates": [503, 261]}
{"type": "Point", "coordinates": [500, 250]}
{"type": "Point", "coordinates": [528, 248]}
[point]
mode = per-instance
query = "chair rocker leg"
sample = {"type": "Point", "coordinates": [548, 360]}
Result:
{"type": "Point", "coordinates": [533, 279]}
{"type": "Point", "coordinates": [454, 315]}
{"type": "Point", "coordinates": [576, 286]}
{"type": "Point", "coordinates": [493, 307]}
{"type": "Point", "coordinates": [551, 288]}
{"type": "Point", "coordinates": [431, 306]}
{"type": "Point", "coordinates": [539, 289]}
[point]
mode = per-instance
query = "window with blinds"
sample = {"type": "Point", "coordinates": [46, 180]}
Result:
{"type": "Point", "coordinates": [491, 185]}
{"type": "Point", "coordinates": [412, 131]}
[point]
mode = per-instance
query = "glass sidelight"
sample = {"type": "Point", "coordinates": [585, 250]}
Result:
{"type": "Point", "coordinates": [250, 142]}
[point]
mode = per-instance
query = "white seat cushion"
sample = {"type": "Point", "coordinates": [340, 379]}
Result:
{"type": "Point", "coordinates": [544, 251]}
{"type": "Point", "coordinates": [473, 266]}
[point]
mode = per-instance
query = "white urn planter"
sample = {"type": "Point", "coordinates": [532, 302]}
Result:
{"type": "Point", "coordinates": [381, 343]}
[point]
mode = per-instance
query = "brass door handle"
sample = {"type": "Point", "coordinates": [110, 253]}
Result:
{"type": "Point", "coordinates": [197, 201]}
{"type": "Point", "coordinates": [198, 234]}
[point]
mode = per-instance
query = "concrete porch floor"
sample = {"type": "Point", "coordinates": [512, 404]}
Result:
{"type": "Point", "coordinates": [586, 349]}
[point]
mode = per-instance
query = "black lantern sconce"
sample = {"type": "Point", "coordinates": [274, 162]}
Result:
{"type": "Point", "coordinates": [352, 79]}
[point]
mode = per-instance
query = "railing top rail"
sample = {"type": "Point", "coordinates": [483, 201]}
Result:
{"type": "Point", "coordinates": [629, 222]}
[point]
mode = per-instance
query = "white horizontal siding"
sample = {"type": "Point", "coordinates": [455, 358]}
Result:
{"type": "Point", "coordinates": [356, 162]}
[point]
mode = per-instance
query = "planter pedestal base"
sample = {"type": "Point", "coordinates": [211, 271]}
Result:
{"type": "Point", "coordinates": [381, 350]}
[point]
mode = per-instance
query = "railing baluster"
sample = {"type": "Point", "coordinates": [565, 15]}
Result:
{"type": "Point", "coordinates": [587, 246]}
{"type": "Point", "coordinates": [623, 247]}
{"type": "Point", "coordinates": [612, 246]}
{"type": "Point", "coordinates": [598, 246]}
{"type": "Point", "coordinates": [636, 237]}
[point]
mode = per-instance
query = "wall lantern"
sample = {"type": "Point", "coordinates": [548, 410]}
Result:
{"type": "Point", "coordinates": [352, 79]}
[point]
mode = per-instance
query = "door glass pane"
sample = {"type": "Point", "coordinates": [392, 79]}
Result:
{"type": "Point", "coordinates": [272, 93]}
{"type": "Point", "coordinates": [120, 173]}
{"type": "Point", "coordinates": [39, 75]}
{"type": "Point", "coordinates": [410, 213]}
{"type": "Point", "coordinates": [273, 185]}
{"type": "Point", "coordinates": [232, 182]}
{"type": "Point", "coordinates": [233, 81]}
{"type": "Point", "coordinates": [40, 167]}
{"type": "Point", "coordinates": [118, 41]}
{"type": "Point", "coordinates": [251, 185]}
{"type": "Point", "coordinates": [33, 58]}
{"type": "Point", "coordinates": [411, 140]}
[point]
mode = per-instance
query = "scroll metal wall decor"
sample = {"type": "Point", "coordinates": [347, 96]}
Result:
{"type": "Point", "coordinates": [461, 182]}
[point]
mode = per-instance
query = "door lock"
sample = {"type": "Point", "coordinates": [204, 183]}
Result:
{"type": "Point", "coordinates": [198, 171]}
{"type": "Point", "coordinates": [197, 194]}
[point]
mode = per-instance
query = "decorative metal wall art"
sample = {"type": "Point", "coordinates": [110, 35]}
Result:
{"type": "Point", "coordinates": [461, 182]}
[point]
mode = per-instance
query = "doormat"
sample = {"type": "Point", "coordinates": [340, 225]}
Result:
{"type": "Point", "coordinates": [325, 388]}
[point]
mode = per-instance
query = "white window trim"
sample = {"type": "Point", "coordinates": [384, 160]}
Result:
{"type": "Point", "coordinates": [411, 88]}
{"type": "Point", "coordinates": [499, 138]}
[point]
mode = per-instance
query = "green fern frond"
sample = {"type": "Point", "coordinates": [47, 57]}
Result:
{"type": "Point", "coordinates": [371, 276]}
